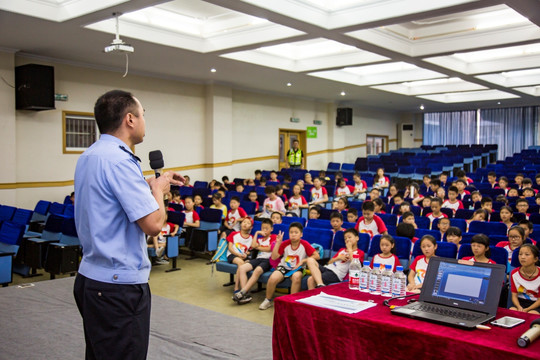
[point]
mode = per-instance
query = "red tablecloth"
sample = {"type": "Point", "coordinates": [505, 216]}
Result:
{"type": "Point", "coordinates": [302, 331]}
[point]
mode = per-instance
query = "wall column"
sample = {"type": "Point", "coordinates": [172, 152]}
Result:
{"type": "Point", "coordinates": [218, 133]}
{"type": "Point", "coordinates": [8, 149]}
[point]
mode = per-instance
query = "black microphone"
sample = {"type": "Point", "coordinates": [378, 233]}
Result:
{"type": "Point", "coordinates": [530, 335]}
{"type": "Point", "coordinates": [156, 161]}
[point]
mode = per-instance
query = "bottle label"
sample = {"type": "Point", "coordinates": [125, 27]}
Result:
{"type": "Point", "coordinates": [386, 284]}
{"type": "Point", "coordinates": [373, 282]}
{"type": "Point", "coordinates": [363, 280]}
{"type": "Point", "coordinates": [354, 278]}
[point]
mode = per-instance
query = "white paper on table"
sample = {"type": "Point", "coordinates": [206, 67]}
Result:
{"type": "Point", "coordinates": [337, 303]}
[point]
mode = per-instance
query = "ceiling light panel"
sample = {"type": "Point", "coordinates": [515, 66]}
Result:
{"type": "Point", "coordinates": [57, 10]}
{"type": "Point", "coordinates": [514, 78]}
{"type": "Point", "coordinates": [530, 90]}
{"type": "Point", "coordinates": [331, 14]}
{"type": "Point", "coordinates": [196, 25]}
{"type": "Point", "coordinates": [306, 55]}
{"type": "Point", "coordinates": [430, 87]}
{"type": "Point", "coordinates": [378, 74]}
{"type": "Point", "coordinates": [468, 96]}
{"type": "Point", "coordinates": [495, 60]}
{"type": "Point", "coordinates": [492, 26]}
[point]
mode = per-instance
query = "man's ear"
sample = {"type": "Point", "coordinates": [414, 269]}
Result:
{"type": "Point", "coordinates": [129, 120]}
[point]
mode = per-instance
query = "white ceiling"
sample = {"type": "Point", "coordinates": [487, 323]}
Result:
{"type": "Point", "coordinates": [387, 54]}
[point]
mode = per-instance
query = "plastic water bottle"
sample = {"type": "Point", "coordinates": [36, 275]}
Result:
{"type": "Point", "coordinates": [379, 278]}
{"type": "Point", "coordinates": [386, 281]}
{"type": "Point", "coordinates": [374, 277]}
{"type": "Point", "coordinates": [354, 272]}
{"type": "Point", "coordinates": [399, 282]}
{"type": "Point", "coordinates": [364, 277]}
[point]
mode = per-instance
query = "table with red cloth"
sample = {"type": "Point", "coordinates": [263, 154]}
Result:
{"type": "Point", "coordinates": [303, 331]}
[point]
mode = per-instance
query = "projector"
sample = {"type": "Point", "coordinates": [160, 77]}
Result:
{"type": "Point", "coordinates": [119, 46]}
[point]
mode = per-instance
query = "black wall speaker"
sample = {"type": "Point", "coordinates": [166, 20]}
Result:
{"type": "Point", "coordinates": [34, 87]}
{"type": "Point", "coordinates": [344, 116]}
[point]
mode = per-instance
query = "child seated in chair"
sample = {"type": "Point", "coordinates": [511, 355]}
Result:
{"type": "Point", "coordinates": [352, 215]}
{"type": "Point", "coordinates": [240, 243]}
{"type": "Point", "coordinates": [294, 254]}
{"type": "Point", "coordinates": [272, 203]}
{"type": "Point", "coordinates": [418, 267]}
{"type": "Point", "coordinates": [217, 204]}
{"type": "Point", "coordinates": [234, 216]}
{"type": "Point", "coordinates": [454, 236]}
{"type": "Point", "coordinates": [159, 242]}
{"type": "Point", "coordinates": [338, 267]}
{"type": "Point", "coordinates": [525, 282]}
{"type": "Point", "coordinates": [369, 222]}
{"type": "Point", "coordinates": [262, 242]}
{"type": "Point", "coordinates": [336, 221]}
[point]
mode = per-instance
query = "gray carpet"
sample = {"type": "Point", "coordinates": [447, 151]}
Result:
{"type": "Point", "coordinates": [42, 322]}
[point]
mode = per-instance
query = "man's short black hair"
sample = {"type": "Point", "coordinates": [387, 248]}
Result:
{"type": "Point", "coordinates": [110, 109]}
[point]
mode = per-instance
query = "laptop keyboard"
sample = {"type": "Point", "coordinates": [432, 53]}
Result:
{"type": "Point", "coordinates": [445, 311]}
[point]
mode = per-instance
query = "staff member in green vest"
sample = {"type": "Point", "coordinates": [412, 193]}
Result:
{"type": "Point", "coordinates": [295, 157]}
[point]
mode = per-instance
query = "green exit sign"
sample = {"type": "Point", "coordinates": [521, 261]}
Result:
{"type": "Point", "coordinates": [295, 120]}
{"type": "Point", "coordinates": [311, 132]}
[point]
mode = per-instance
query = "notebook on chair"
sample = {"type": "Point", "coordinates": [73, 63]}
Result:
{"type": "Point", "coordinates": [456, 293]}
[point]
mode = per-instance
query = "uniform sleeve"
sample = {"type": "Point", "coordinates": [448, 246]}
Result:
{"type": "Point", "coordinates": [304, 202]}
{"type": "Point", "coordinates": [196, 216]}
{"type": "Point", "coordinates": [396, 263]}
{"type": "Point", "coordinates": [460, 205]}
{"type": "Point", "coordinates": [309, 249]}
{"type": "Point", "coordinates": [364, 184]}
{"type": "Point", "coordinates": [513, 287]}
{"type": "Point", "coordinates": [230, 238]}
{"type": "Point", "coordinates": [372, 262]}
{"type": "Point", "coordinates": [324, 192]}
{"type": "Point", "coordinates": [357, 226]}
{"type": "Point", "coordinates": [362, 255]}
{"type": "Point", "coordinates": [467, 258]}
{"type": "Point", "coordinates": [415, 261]}
{"type": "Point", "coordinates": [131, 189]}
{"type": "Point", "coordinates": [380, 224]}
{"type": "Point", "coordinates": [502, 244]}
{"type": "Point", "coordinates": [242, 212]}
{"type": "Point", "coordinates": [282, 247]}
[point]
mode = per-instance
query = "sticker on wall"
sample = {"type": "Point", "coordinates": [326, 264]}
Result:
{"type": "Point", "coordinates": [311, 132]}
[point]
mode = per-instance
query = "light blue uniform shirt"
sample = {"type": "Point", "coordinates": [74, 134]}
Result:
{"type": "Point", "coordinates": [111, 195]}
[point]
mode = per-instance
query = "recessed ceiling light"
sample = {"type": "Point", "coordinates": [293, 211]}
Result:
{"type": "Point", "coordinates": [421, 107]}
{"type": "Point", "coordinates": [343, 93]}
{"type": "Point", "coordinates": [289, 84]}
{"type": "Point", "coordinates": [213, 70]}
{"type": "Point", "coordinates": [498, 103]}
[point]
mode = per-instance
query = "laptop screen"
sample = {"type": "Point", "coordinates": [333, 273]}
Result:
{"type": "Point", "coordinates": [462, 282]}
{"type": "Point", "coordinates": [462, 285]}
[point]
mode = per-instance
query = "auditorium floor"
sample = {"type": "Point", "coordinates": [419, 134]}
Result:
{"type": "Point", "coordinates": [194, 285]}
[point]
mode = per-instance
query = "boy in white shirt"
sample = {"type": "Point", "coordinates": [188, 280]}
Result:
{"type": "Point", "coordinates": [240, 243]}
{"type": "Point", "coordinates": [262, 241]}
{"type": "Point", "coordinates": [294, 254]}
{"type": "Point", "coordinates": [453, 202]}
{"type": "Point", "coordinates": [369, 222]}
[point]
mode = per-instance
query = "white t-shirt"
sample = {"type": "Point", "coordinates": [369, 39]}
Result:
{"type": "Point", "coordinates": [318, 194]}
{"type": "Point", "coordinates": [376, 226]}
{"type": "Point", "coordinates": [241, 244]}
{"type": "Point", "coordinates": [419, 265]}
{"type": "Point", "coordinates": [266, 242]}
{"type": "Point", "coordinates": [341, 268]}
{"type": "Point", "coordinates": [291, 258]}
{"type": "Point", "coordinates": [526, 289]}
{"type": "Point", "coordinates": [390, 260]}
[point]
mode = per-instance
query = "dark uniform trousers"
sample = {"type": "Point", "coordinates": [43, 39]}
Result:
{"type": "Point", "coordinates": [116, 318]}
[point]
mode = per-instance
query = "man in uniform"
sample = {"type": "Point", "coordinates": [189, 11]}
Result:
{"type": "Point", "coordinates": [114, 209]}
{"type": "Point", "coordinates": [295, 156]}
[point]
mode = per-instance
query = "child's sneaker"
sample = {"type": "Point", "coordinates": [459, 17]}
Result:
{"type": "Point", "coordinates": [245, 299]}
{"type": "Point", "coordinates": [161, 261]}
{"type": "Point", "coordinates": [265, 304]}
{"type": "Point", "coordinates": [159, 251]}
{"type": "Point", "coordinates": [237, 296]}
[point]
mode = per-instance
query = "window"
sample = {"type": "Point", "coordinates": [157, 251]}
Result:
{"type": "Point", "coordinates": [376, 144]}
{"type": "Point", "coordinates": [80, 131]}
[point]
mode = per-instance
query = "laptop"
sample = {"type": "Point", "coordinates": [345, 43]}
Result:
{"type": "Point", "coordinates": [457, 293]}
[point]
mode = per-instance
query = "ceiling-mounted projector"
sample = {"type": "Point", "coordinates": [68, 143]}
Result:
{"type": "Point", "coordinates": [118, 44]}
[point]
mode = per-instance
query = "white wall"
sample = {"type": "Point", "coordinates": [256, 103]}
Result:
{"type": "Point", "coordinates": [181, 122]}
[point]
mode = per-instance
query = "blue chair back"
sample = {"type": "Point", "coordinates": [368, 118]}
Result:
{"type": "Point", "coordinates": [422, 222]}
{"type": "Point", "coordinates": [488, 228]}
{"type": "Point", "coordinates": [319, 236]}
{"type": "Point", "coordinates": [200, 184]}
{"type": "Point", "coordinates": [69, 211]}
{"type": "Point", "coordinates": [444, 249]}
{"type": "Point", "coordinates": [185, 191]}
{"type": "Point", "coordinates": [210, 219]}
{"type": "Point", "coordinates": [499, 255]}
{"type": "Point", "coordinates": [515, 258]}
{"type": "Point", "coordinates": [7, 212]}
{"type": "Point", "coordinates": [57, 208]}
{"type": "Point", "coordinates": [42, 207]}
{"type": "Point", "coordinates": [176, 218]}
{"type": "Point", "coordinates": [248, 206]}
{"type": "Point", "coordinates": [388, 219]}
{"type": "Point", "coordinates": [495, 239]}
{"type": "Point", "coordinates": [318, 223]}
{"type": "Point", "coordinates": [69, 233]}
{"type": "Point", "coordinates": [291, 219]}
{"type": "Point", "coordinates": [459, 223]}
{"type": "Point", "coordinates": [22, 216]}
{"type": "Point", "coordinates": [421, 232]}
{"type": "Point", "coordinates": [11, 233]}
{"type": "Point", "coordinates": [284, 228]}
{"type": "Point", "coordinates": [176, 207]}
